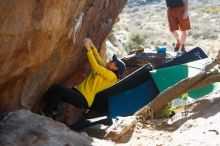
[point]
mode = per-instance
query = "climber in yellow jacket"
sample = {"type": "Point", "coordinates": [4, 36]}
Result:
{"type": "Point", "coordinates": [101, 77]}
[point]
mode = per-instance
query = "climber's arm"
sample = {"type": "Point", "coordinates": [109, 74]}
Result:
{"type": "Point", "coordinates": [90, 46]}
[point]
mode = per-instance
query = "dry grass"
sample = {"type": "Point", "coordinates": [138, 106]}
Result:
{"type": "Point", "coordinates": [209, 10]}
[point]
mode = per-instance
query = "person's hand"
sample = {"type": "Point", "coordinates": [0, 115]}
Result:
{"type": "Point", "coordinates": [91, 44]}
{"type": "Point", "coordinates": [87, 43]}
{"type": "Point", "coordinates": [185, 15]}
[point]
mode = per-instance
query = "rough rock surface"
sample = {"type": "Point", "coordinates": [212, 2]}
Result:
{"type": "Point", "coordinates": [41, 44]}
{"type": "Point", "coordinates": [22, 128]}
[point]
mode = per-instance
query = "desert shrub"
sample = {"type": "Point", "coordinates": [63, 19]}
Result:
{"type": "Point", "coordinates": [116, 27]}
{"type": "Point", "coordinates": [166, 112]}
{"type": "Point", "coordinates": [152, 42]}
{"type": "Point", "coordinates": [135, 40]}
{"type": "Point", "coordinates": [205, 36]}
{"type": "Point", "coordinates": [212, 10]}
{"type": "Point", "coordinates": [148, 1]}
{"type": "Point", "coordinates": [135, 10]}
{"type": "Point", "coordinates": [138, 23]}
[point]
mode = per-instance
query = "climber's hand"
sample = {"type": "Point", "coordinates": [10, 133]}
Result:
{"type": "Point", "coordinates": [185, 14]}
{"type": "Point", "coordinates": [87, 43]}
{"type": "Point", "coordinates": [91, 44]}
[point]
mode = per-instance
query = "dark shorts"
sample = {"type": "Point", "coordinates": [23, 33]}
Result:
{"type": "Point", "coordinates": [176, 21]}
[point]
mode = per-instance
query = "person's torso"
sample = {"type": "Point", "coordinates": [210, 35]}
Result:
{"type": "Point", "coordinates": [93, 84]}
{"type": "Point", "coordinates": [175, 3]}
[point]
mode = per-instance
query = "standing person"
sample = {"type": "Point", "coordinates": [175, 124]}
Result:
{"type": "Point", "coordinates": [178, 18]}
{"type": "Point", "coordinates": [101, 77]}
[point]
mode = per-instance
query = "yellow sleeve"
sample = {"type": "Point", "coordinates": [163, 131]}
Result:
{"type": "Point", "coordinates": [104, 72]}
{"type": "Point", "coordinates": [97, 57]}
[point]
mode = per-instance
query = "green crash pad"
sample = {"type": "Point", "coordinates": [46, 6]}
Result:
{"type": "Point", "coordinates": [167, 77]}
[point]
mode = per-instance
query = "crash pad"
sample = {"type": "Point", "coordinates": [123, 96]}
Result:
{"type": "Point", "coordinates": [136, 78]}
{"type": "Point", "coordinates": [128, 102]}
{"type": "Point", "coordinates": [167, 77]}
{"type": "Point", "coordinates": [193, 55]}
{"type": "Point", "coordinates": [133, 92]}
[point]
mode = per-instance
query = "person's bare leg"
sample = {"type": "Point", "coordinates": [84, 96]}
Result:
{"type": "Point", "coordinates": [176, 36]}
{"type": "Point", "coordinates": [183, 41]}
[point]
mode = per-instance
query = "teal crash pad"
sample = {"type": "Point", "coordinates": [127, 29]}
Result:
{"type": "Point", "coordinates": [167, 77]}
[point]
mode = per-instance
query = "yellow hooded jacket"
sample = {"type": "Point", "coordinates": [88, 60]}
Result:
{"type": "Point", "coordinates": [99, 79]}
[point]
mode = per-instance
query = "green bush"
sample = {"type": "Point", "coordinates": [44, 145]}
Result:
{"type": "Point", "coordinates": [166, 112]}
{"type": "Point", "coordinates": [135, 40]}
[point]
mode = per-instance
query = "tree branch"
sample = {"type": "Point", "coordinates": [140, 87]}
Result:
{"type": "Point", "coordinates": [182, 87]}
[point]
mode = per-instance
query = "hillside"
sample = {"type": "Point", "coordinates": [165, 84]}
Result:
{"type": "Point", "coordinates": [148, 18]}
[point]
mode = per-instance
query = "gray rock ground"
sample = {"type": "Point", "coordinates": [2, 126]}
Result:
{"type": "Point", "coordinates": [24, 128]}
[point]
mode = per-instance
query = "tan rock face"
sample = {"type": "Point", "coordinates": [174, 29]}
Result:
{"type": "Point", "coordinates": [41, 44]}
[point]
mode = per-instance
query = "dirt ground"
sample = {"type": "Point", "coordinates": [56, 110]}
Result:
{"type": "Point", "coordinates": [197, 125]}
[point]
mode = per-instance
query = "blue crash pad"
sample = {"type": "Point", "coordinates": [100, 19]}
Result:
{"type": "Point", "coordinates": [128, 102]}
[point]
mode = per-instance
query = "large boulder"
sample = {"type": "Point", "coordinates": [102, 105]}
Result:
{"type": "Point", "coordinates": [42, 44]}
{"type": "Point", "coordinates": [24, 128]}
